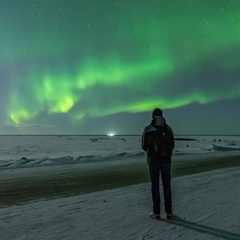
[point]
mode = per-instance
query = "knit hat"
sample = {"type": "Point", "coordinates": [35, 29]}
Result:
{"type": "Point", "coordinates": [157, 112]}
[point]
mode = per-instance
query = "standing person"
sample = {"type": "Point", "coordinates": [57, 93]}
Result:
{"type": "Point", "coordinates": [159, 161]}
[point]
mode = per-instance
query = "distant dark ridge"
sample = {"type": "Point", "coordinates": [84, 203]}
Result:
{"type": "Point", "coordinates": [67, 135]}
{"type": "Point", "coordinates": [117, 135]}
{"type": "Point", "coordinates": [185, 139]}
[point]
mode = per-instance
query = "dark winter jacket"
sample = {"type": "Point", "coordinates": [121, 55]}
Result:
{"type": "Point", "coordinates": [148, 137]}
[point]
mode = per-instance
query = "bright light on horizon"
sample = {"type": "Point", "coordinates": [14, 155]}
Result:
{"type": "Point", "coordinates": [111, 134]}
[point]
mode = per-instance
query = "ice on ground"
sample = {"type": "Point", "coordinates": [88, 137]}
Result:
{"type": "Point", "coordinates": [38, 151]}
{"type": "Point", "coordinates": [207, 205]}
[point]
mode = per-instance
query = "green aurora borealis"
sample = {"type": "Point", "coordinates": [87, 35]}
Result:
{"type": "Point", "coordinates": [66, 63]}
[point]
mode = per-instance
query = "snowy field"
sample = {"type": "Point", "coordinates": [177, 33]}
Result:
{"type": "Point", "coordinates": [206, 203]}
{"type": "Point", "coordinates": [36, 151]}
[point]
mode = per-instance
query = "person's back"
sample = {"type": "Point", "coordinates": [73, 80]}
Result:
{"type": "Point", "coordinates": [158, 162]}
{"type": "Point", "coordinates": [149, 138]}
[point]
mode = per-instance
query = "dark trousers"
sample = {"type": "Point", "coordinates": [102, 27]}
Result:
{"type": "Point", "coordinates": [165, 170]}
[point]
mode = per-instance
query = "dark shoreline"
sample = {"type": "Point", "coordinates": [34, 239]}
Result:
{"type": "Point", "coordinates": [72, 182]}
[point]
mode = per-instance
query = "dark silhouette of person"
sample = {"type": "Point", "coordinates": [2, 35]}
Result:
{"type": "Point", "coordinates": [158, 164]}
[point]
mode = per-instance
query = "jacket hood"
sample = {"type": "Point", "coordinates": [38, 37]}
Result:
{"type": "Point", "coordinates": [158, 120]}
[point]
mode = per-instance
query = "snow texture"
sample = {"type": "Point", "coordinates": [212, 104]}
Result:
{"type": "Point", "coordinates": [37, 151]}
{"type": "Point", "coordinates": [206, 204]}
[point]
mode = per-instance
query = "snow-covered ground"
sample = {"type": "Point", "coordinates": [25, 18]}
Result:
{"type": "Point", "coordinates": [35, 151]}
{"type": "Point", "coordinates": [206, 204]}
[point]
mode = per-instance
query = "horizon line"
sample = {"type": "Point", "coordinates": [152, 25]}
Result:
{"type": "Point", "coordinates": [59, 134]}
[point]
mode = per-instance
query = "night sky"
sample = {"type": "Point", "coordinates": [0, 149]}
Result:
{"type": "Point", "coordinates": [101, 66]}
